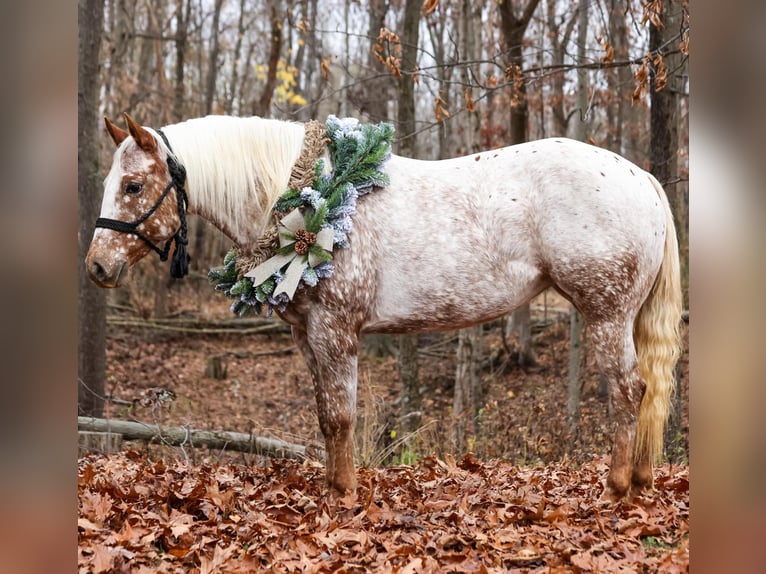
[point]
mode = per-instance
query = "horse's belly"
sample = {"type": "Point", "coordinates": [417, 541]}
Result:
{"type": "Point", "coordinates": [440, 303]}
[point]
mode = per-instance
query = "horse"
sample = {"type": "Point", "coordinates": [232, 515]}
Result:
{"type": "Point", "coordinates": [445, 245]}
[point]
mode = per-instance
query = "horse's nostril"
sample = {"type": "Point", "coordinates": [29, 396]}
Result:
{"type": "Point", "coordinates": [97, 271]}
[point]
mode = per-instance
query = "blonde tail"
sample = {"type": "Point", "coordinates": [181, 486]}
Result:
{"type": "Point", "coordinates": [658, 343]}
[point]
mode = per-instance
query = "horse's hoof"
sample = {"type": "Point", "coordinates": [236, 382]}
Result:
{"type": "Point", "coordinates": [642, 480]}
{"type": "Point", "coordinates": [613, 496]}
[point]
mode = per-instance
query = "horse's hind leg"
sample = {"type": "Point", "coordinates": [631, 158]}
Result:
{"type": "Point", "coordinates": [616, 357]}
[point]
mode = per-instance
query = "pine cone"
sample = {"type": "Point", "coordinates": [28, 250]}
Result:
{"type": "Point", "coordinates": [306, 236]}
{"type": "Point", "coordinates": [301, 247]}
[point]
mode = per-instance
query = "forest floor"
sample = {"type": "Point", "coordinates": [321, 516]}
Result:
{"type": "Point", "coordinates": [526, 498]}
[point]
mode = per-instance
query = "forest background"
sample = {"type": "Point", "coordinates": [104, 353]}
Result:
{"type": "Point", "coordinates": [453, 77]}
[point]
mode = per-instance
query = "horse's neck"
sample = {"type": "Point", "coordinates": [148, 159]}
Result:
{"type": "Point", "coordinates": [236, 168]}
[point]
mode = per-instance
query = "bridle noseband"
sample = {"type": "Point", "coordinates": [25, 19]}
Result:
{"type": "Point", "coordinates": [179, 265]}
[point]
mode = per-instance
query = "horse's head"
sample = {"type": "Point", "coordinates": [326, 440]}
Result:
{"type": "Point", "coordinates": [143, 206]}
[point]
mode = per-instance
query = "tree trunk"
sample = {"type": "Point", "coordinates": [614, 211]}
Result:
{"type": "Point", "coordinates": [306, 71]}
{"type": "Point", "coordinates": [181, 35]}
{"type": "Point", "coordinates": [513, 29]}
{"type": "Point", "coordinates": [581, 134]}
{"type": "Point", "coordinates": [212, 66]}
{"type": "Point", "coordinates": [663, 158]}
{"type": "Point", "coordinates": [406, 116]}
{"type": "Point", "coordinates": [408, 344]}
{"type": "Point", "coordinates": [618, 78]}
{"type": "Point", "coordinates": [234, 80]}
{"type": "Point", "coordinates": [581, 126]}
{"type": "Point", "coordinates": [91, 299]}
{"type": "Point", "coordinates": [467, 397]}
{"type": "Point", "coordinates": [262, 106]}
{"type": "Point", "coordinates": [575, 357]}
{"type": "Point", "coordinates": [558, 52]}
{"type": "Point", "coordinates": [520, 322]}
{"type": "Point", "coordinates": [375, 101]}
{"type": "Point", "coordinates": [410, 414]}
{"type": "Point", "coordinates": [470, 34]}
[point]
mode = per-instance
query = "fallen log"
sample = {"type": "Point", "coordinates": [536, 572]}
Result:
{"type": "Point", "coordinates": [202, 326]}
{"type": "Point", "coordinates": [216, 439]}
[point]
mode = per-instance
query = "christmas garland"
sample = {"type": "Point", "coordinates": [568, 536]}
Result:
{"type": "Point", "coordinates": [319, 218]}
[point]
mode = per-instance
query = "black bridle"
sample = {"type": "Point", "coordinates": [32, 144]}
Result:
{"type": "Point", "coordinates": [179, 265]}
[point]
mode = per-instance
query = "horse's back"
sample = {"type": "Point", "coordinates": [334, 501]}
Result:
{"type": "Point", "coordinates": [471, 238]}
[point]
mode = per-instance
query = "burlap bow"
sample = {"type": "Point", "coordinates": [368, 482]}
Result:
{"type": "Point", "coordinates": [302, 255]}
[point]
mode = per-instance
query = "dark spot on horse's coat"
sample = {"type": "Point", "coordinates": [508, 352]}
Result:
{"type": "Point", "coordinates": [598, 189]}
{"type": "Point", "coordinates": [631, 171]}
{"type": "Point", "coordinates": [477, 158]}
{"type": "Point", "coordinates": [513, 199]}
{"type": "Point", "coordinates": [602, 174]}
{"type": "Point", "coordinates": [558, 141]}
{"type": "Point", "coordinates": [494, 155]}
{"type": "Point", "coordinates": [534, 151]}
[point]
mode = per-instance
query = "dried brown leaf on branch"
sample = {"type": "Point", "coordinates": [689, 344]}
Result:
{"type": "Point", "coordinates": [515, 75]}
{"type": "Point", "coordinates": [440, 108]}
{"type": "Point", "coordinates": [660, 73]}
{"type": "Point", "coordinates": [653, 13]}
{"type": "Point", "coordinates": [608, 56]}
{"type": "Point", "coordinates": [324, 65]}
{"type": "Point", "coordinates": [642, 80]}
{"type": "Point", "coordinates": [469, 103]}
{"type": "Point", "coordinates": [429, 6]}
{"type": "Point", "coordinates": [388, 51]}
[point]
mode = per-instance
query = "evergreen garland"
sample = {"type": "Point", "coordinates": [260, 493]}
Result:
{"type": "Point", "coordinates": [357, 153]}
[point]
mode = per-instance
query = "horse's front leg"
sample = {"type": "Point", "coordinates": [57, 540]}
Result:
{"type": "Point", "coordinates": [330, 351]}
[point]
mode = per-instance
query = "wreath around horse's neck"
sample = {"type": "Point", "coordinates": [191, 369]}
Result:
{"type": "Point", "coordinates": [309, 219]}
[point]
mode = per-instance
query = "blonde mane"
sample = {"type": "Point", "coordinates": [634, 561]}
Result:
{"type": "Point", "coordinates": [236, 165]}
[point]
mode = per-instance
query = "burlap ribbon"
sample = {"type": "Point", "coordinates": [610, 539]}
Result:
{"type": "Point", "coordinates": [302, 175]}
{"type": "Point", "coordinates": [296, 262]}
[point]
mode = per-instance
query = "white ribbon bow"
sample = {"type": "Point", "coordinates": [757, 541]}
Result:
{"type": "Point", "coordinates": [289, 224]}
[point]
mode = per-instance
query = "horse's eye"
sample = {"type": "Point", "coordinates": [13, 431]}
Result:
{"type": "Point", "coordinates": [133, 187]}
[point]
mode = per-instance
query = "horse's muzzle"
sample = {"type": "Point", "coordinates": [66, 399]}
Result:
{"type": "Point", "coordinates": [106, 274]}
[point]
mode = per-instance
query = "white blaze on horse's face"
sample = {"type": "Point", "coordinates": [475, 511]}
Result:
{"type": "Point", "coordinates": [135, 182]}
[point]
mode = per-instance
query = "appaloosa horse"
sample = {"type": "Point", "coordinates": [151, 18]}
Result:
{"type": "Point", "coordinates": [447, 244]}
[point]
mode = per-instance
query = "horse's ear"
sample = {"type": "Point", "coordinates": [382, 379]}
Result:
{"type": "Point", "coordinates": [144, 138]}
{"type": "Point", "coordinates": [118, 134]}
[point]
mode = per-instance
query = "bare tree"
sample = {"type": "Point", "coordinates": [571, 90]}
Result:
{"type": "Point", "coordinates": [580, 133]}
{"type": "Point", "coordinates": [408, 344]}
{"type": "Point", "coordinates": [182, 21]}
{"type": "Point", "coordinates": [262, 105]}
{"type": "Point", "coordinates": [91, 299]}
{"type": "Point", "coordinates": [212, 67]}
{"type": "Point", "coordinates": [234, 80]}
{"type": "Point", "coordinates": [467, 396]}
{"type": "Point", "coordinates": [514, 28]}
{"type": "Point", "coordinates": [663, 150]}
